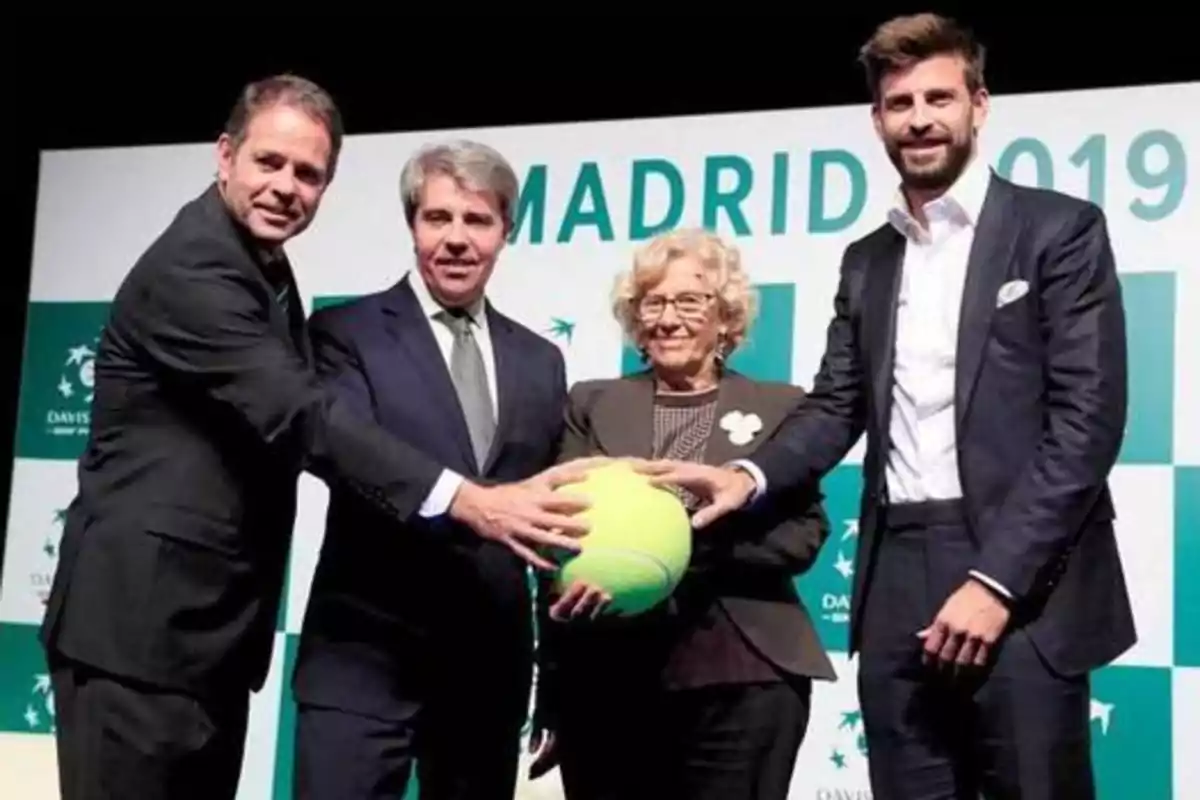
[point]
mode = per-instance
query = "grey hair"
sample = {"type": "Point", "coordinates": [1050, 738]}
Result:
{"type": "Point", "coordinates": [475, 166]}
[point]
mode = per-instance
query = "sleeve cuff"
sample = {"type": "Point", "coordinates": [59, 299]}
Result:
{"type": "Point", "coordinates": [760, 480]}
{"type": "Point", "coordinates": [991, 583]}
{"type": "Point", "coordinates": [437, 502]}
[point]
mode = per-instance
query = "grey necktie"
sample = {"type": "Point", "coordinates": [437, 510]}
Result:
{"type": "Point", "coordinates": [471, 383]}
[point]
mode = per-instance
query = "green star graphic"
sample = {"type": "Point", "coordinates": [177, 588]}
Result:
{"type": "Point", "coordinates": [838, 759]}
{"type": "Point", "coordinates": [562, 328]}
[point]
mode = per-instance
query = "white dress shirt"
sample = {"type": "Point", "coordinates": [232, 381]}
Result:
{"type": "Point", "coordinates": [922, 461]}
{"type": "Point", "coordinates": [439, 498]}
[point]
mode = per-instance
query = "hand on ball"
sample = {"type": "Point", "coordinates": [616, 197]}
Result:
{"type": "Point", "coordinates": [580, 601]}
{"type": "Point", "coordinates": [723, 489]}
{"type": "Point", "coordinates": [566, 473]}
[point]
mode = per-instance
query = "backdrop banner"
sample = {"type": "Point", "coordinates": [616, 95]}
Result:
{"type": "Point", "coordinates": [792, 189]}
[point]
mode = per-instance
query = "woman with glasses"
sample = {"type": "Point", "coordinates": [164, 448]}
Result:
{"type": "Point", "coordinates": [707, 695]}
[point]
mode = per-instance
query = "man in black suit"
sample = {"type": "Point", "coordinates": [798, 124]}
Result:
{"type": "Point", "coordinates": [160, 620]}
{"type": "Point", "coordinates": [417, 640]}
{"type": "Point", "coordinates": [979, 340]}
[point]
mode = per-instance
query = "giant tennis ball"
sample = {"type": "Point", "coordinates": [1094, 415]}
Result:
{"type": "Point", "coordinates": [639, 542]}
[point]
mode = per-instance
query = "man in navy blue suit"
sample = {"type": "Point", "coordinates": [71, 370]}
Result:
{"type": "Point", "coordinates": [419, 647]}
{"type": "Point", "coordinates": [978, 339]}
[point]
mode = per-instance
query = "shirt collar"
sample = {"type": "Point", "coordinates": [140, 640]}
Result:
{"type": "Point", "coordinates": [963, 201]}
{"type": "Point", "coordinates": [431, 307]}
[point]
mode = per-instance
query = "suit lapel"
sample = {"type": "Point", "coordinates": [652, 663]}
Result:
{"type": "Point", "coordinates": [507, 366]}
{"type": "Point", "coordinates": [414, 337]}
{"type": "Point", "coordinates": [991, 251]}
{"type": "Point", "coordinates": [624, 417]}
{"type": "Point", "coordinates": [881, 295]}
{"type": "Point", "coordinates": [293, 319]}
{"type": "Point", "coordinates": [734, 394]}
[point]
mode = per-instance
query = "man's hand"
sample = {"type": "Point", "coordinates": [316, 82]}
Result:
{"type": "Point", "coordinates": [566, 473]}
{"type": "Point", "coordinates": [523, 516]}
{"type": "Point", "coordinates": [724, 489]}
{"type": "Point", "coordinates": [966, 628]}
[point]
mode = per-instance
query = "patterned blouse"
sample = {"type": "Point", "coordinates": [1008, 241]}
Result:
{"type": "Point", "coordinates": [710, 649]}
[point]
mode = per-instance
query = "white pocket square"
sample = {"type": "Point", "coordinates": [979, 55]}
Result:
{"type": "Point", "coordinates": [1013, 290]}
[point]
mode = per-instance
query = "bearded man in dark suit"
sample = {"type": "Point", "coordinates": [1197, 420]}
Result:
{"type": "Point", "coordinates": [978, 340]}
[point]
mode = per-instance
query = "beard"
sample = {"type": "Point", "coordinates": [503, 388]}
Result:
{"type": "Point", "coordinates": [935, 170]}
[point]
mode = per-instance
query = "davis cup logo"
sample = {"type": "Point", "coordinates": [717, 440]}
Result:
{"type": "Point", "coordinates": [827, 587]}
{"type": "Point", "coordinates": [26, 694]}
{"type": "Point", "coordinates": [72, 416]}
{"type": "Point", "coordinates": [851, 740]}
{"type": "Point", "coordinates": [59, 378]}
{"type": "Point", "coordinates": [79, 373]}
{"type": "Point", "coordinates": [835, 600]}
{"type": "Point", "coordinates": [39, 710]}
{"type": "Point", "coordinates": [42, 579]}
{"type": "Point", "coordinates": [833, 761]}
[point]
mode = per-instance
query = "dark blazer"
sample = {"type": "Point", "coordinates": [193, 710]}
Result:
{"type": "Point", "coordinates": [747, 562]}
{"type": "Point", "coordinates": [1040, 401]}
{"type": "Point", "coordinates": [395, 605]}
{"type": "Point", "coordinates": [206, 410]}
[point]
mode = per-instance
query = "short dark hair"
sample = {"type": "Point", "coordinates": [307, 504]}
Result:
{"type": "Point", "coordinates": [289, 90]}
{"type": "Point", "coordinates": [903, 41]}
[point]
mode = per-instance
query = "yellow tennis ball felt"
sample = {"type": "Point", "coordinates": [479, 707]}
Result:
{"type": "Point", "coordinates": [639, 543]}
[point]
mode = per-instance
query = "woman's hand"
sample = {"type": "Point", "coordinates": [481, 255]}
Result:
{"type": "Point", "coordinates": [580, 601]}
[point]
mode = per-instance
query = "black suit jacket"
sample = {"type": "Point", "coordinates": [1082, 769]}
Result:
{"type": "Point", "coordinates": [746, 564]}
{"type": "Point", "coordinates": [1040, 403]}
{"type": "Point", "coordinates": [206, 410]}
{"type": "Point", "coordinates": [393, 607]}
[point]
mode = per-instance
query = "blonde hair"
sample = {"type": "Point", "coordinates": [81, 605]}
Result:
{"type": "Point", "coordinates": [737, 302]}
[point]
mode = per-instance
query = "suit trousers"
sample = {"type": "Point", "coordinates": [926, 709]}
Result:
{"type": "Point", "coordinates": [458, 756]}
{"type": "Point", "coordinates": [464, 739]}
{"type": "Point", "coordinates": [119, 739]}
{"type": "Point", "coordinates": [706, 743]}
{"type": "Point", "coordinates": [1014, 728]}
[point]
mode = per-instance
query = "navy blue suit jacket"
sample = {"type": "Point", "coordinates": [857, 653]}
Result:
{"type": "Point", "coordinates": [395, 606]}
{"type": "Point", "coordinates": [1040, 402]}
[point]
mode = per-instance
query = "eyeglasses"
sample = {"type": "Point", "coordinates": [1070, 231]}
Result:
{"type": "Point", "coordinates": [688, 305]}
